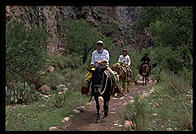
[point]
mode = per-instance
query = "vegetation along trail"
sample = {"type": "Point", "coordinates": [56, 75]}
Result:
{"type": "Point", "coordinates": [86, 121]}
{"type": "Point", "coordinates": [48, 49]}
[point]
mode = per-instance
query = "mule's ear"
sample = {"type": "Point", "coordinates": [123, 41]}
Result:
{"type": "Point", "coordinates": [154, 65]}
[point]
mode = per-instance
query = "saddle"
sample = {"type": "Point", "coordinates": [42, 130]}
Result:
{"type": "Point", "coordinates": [126, 69]}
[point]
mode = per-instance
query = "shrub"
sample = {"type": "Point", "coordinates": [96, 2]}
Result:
{"type": "Point", "coordinates": [59, 100]}
{"type": "Point", "coordinates": [82, 39]}
{"type": "Point", "coordinates": [80, 35]}
{"type": "Point", "coordinates": [109, 30]}
{"type": "Point", "coordinates": [136, 112]}
{"type": "Point", "coordinates": [25, 50]}
{"type": "Point", "coordinates": [22, 93]}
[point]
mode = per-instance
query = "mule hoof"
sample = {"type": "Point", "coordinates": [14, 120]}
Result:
{"type": "Point", "coordinates": [105, 114]}
{"type": "Point", "coordinates": [97, 121]}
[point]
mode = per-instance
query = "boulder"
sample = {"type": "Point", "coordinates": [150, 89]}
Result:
{"type": "Point", "coordinates": [76, 111]}
{"type": "Point", "coordinates": [88, 104]}
{"type": "Point", "coordinates": [45, 88]}
{"type": "Point", "coordinates": [66, 119]}
{"type": "Point", "coordinates": [50, 69]}
{"type": "Point", "coordinates": [80, 109]}
{"type": "Point", "coordinates": [52, 128]}
{"type": "Point", "coordinates": [127, 125]}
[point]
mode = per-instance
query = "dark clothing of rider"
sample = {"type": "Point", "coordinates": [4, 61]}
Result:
{"type": "Point", "coordinates": [145, 60]}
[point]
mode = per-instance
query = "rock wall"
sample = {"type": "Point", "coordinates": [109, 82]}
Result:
{"type": "Point", "coordinates": [128, 14]}
{"type": "Point", "coordinates": [50, 15]}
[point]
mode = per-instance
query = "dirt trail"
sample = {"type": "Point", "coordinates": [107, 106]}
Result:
{"type": "Point", "coordinates": [86, 121]}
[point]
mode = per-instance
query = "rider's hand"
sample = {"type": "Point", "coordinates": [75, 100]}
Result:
{"type": "Point", "coordinates": [100, 61]}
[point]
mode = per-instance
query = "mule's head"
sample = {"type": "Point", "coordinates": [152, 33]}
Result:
{"type": "Point", "coordinates": [96, 77]}
{"type": "Point", "coordinates": [117, 68]}
{"type": "Point", "coordinates": [144, 69]}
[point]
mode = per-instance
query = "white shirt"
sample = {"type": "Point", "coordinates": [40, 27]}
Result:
{"type": "Point", "coordinates": [125, 60]}
{"type": "Point", "coordinates": [103, 55]}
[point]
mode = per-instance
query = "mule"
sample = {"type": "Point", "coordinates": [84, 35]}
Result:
{"type": "Point", "coordinates": [101, 85]}
{"type": "Point", "coordinates": [124, 76]}
{"type": "Point", "coordinates": [145, 71]}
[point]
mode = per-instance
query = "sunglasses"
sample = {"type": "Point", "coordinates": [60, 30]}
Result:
{"type": "Point", "coordinates": [99, 44]}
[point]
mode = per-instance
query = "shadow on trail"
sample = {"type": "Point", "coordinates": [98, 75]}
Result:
{"type": "Point", "coordinates": [82, 120]}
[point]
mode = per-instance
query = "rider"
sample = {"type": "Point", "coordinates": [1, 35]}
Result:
{"type": "Point", "coordinates": [145, 60]}
{"type": "Point", "coordinates": [124, 59]}
{"type": "Point", "coordinates": [100, 58]}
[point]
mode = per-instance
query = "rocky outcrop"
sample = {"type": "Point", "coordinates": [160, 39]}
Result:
{"type": "Point", "coordinates": [49, 16]}
{"type": "Point", "coordinates": [127, 14]}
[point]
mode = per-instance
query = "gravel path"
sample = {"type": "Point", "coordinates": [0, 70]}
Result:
{"type": "Point", "coordinates": [86, 121]}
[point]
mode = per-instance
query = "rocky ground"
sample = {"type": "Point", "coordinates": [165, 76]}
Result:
{"type": "Point", "coordinates": [85, 121]}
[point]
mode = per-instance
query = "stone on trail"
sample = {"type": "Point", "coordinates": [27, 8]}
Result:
{"type": "Point", "coordinates": [115, 124]}
{"type": "Point", "coordinates": [131, 101]}
{"type": "Point", "coordinates": [76, 111]}
{"type": "Point", "coordinates": [131, 98]}
{"type": "Point", "coordinates": [88, 104]}
{"type": "Point", "coordinates": [52, 128]}
{"type": "Point", "coordinates": [140, 82]}
{"type": "Point", "coordinates": [66, 119]}
{"type": "Point", "coordinates": [50, 69]}
{"type": "Point", "coordinates": [122, 98]}
{"type": "Point", "coordinates": [127, 125]}
{"type": "Point", "coordinates": [81, 108]}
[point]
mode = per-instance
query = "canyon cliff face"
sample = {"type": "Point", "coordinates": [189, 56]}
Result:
{"type": "Point", "coordinates": [49, 16]}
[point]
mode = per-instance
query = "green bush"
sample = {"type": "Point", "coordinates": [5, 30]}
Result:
{"type": "Point", "coordinates": [25, 52]}
{"type": "Point", "coordinates": [22, 93]}
{"type": "Point", "coordinates": [82, 38]}
{"type": "Point", "coordinates": [173, 107]}
{"type": "Point", "coordinates": [80, 35]}
{"type": "Point", "coordinates": [109, 30]}
{"type": "Point", "coordinates": [58, 100]}
{"type": "Point", "coordinates": [136, 112]}
{"type": "Point", "coordinates": [171, 29]}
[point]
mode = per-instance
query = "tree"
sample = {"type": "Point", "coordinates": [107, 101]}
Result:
{"type": "Point", "coordinates": [171, 27]}
{"type": "Point", "coordinates": [24, 51]}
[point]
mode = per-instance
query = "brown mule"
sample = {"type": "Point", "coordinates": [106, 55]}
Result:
{"type": "Point", "coordinates": [145, 72]}
{"type": "Point", "coordinates": [124, 76]}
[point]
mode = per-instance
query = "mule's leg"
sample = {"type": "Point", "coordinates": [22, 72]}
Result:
{"type": "Point", "coordinates": [106, 104]}
{"type": "Point", "coordinates": [98, 107]}
{"type": "Point", "coordinates": [143, 79]}
{"type": "Point", "coordinates": [127, 86]}
{"type": "Point", "coordinates": [124, 88]}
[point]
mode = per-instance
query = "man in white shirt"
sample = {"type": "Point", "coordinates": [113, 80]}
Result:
{"type": "Point", "coordinates": [125, 61]}
{"type": "Point", "coordinates": [100, 56]}
{"type": "Point", "coordinates": [124, 58]}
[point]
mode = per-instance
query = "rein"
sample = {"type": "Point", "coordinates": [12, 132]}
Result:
{"type": "Point", "coordinates": [105, 85]}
